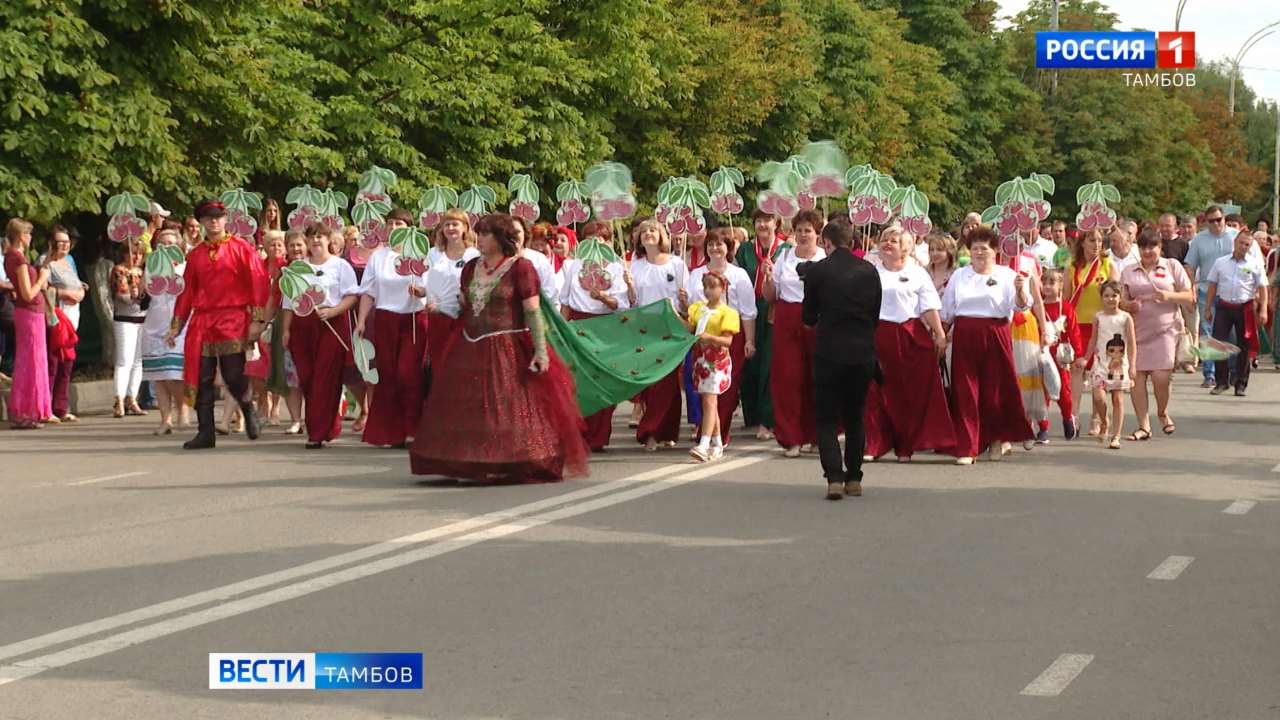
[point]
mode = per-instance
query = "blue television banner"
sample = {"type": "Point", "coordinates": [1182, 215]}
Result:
{"type": "Point", "coordinates": [315, 671]}
{"type": "Point", "coordinates": [1095, 50]}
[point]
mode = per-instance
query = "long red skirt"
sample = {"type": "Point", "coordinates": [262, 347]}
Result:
{"type": "Point", "coordinates": [440, 330]}
{"type": "Point", "coordinates": [791, 377]}
{"type": "Point", "coordinates": [319, 357]}
{"type": "Point", "coordinates": [489, 417]}
{"type": "Point", "coordinates": [909, 412]}
{"type": "Point", "coordinates": [400, 353]}
{"type": "Point", "coordinates": [662, 406]}
{"type": "Point", "coordinates": [599, 426]}
{"type": "Point", "coordinates": [727, 403]}
{"type": "Point", "coordinates": [986, 402]}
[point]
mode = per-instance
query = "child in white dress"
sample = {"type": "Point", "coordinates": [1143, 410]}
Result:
{"type": "Point", "coordinates": [1114, 350]}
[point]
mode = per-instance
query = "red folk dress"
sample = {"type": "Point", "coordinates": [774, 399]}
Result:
{"type": "Point", "coordinates": [488, 417]}
{"type": "Point", "coordinates": [226, 284]}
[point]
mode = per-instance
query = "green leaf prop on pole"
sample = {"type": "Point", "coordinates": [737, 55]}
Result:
{"type": "Point", "coordinates": [826, 179]}
{"type": "Point", "coordinates": [373, 202]}
{"type": "Point", "coordinates": [524, 198]}
{"type": "Point", "coordinates": [869, 197]}
{"type": "Point", "coordinates": [413, 246]}
{"type": "Point", "coordinates": [477, 201]}
{"type": "Point", "coordinates": [125, 224]}
{"type": "Point", "coordinates": [296, 284]}
{"type": "Point", "coordinates": [363, 352]}
{"type": "Point", "coordinates": [680, 205]}
{"type": "Point", "coordinates": [912, 210]}
{"type": "Point", "coordinates": [433, 203]}
{"type": "Point", "coordinates": [725, 198]}
{"type": "Point", "coordinates": [1020, 207]}
{"type": "Point", "coordinates": [611, 196]}
{"type": "Point", "coordinates": [375, 185]}
{"type": "Point", "coordinates": [162, 276]}
{"type": "Point", "coordinates": [785, 182]}
{"type": "Point", "coordinates": [1094, 199]}
{"type": "Point", "coordinates": [575, 203]}
{"type": "Point", "coordinates": [614, 357]}
{"type": "Point", "coordinates": [240, 207]}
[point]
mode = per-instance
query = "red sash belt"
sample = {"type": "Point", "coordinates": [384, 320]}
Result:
{"type": "Point", "coordinates": [1250, 339]}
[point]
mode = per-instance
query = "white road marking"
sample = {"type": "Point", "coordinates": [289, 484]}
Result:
{"type": "Point", "coordinates": [1055, 678]}
{"type": "Point", "coordinates": [95, 648]}
{"type": "Point", "coordinates": [257, 583]}
{"type": "Point", "coordinates": [1171, 568]}
{"type": "Point", "coordinates": [1276, 468]}
{"type": "Point", "coordinates": [1240, 507]}
{"type": "Point", "coordinates": [91, 481]}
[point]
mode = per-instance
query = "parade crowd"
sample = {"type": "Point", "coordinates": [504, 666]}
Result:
{"type": "Point", "coordinates": [977, 346]}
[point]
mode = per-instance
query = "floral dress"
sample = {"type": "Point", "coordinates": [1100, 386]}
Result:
{"type": "Point", "coordinates": [712, 365]}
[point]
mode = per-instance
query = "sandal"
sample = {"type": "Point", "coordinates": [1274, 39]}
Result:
{"type": "Point", "coordinates": [1169, 428]}
{"type": "Point", "coordinates": [1115, 443]}
{"type": "Point", "coordinates": [1140, 435]}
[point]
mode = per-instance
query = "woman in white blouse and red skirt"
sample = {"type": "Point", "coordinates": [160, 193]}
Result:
{"type": "Point", "coordinates": [316, 340]}
{"type": "Point", "coordinates": [791, 367]}
{"type": "Point", "coordinates": [656, 275]}
{"type": "Point", "coordinates": [907, 412]}
{"type": "Point", "coordinates": [986, 402]}
{"type": "Point", "coordinates": [453, 246]}
{"type": "Point", "coordinates": [741, 297]}
{"type": "Point", "coordinates": [591, 290]}
{"type": "Point", "coordinates": [393, 291]}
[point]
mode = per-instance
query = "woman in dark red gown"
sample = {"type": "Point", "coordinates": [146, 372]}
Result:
{"type": "Point", "coordinates": [502, 405]}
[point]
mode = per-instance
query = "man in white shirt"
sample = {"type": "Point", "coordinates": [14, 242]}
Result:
{"type": "Point", "coordinates": [1236, 303]}
{"type": "Point", "coordinates": [1123, 252]}
{"type": "Point", "coordinates": [1044, 248]}
{"type": "Point", "coordinates": [1213, 242]}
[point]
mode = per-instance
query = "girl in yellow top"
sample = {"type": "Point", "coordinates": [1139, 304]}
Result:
{"type": "Point", "coordinates": [715, 324]}
{"type": "Point", "coordinates": [1088, 270]}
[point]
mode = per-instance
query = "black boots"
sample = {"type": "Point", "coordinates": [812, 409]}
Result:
{"type": "Point", "coordinates": [251, 428]}
{"type": "Point", "coordinates": [204, 438]}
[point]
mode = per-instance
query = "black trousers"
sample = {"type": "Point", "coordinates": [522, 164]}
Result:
{"type": "Point", "coordinates": [232, 375]}
{"type": "Point", "coordinates": [841, 395]}
{"type": "Point", "coordinates": [1228, 319]}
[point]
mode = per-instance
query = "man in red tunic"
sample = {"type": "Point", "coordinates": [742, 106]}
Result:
{"type": "Point", "coordinates": [222, 308]}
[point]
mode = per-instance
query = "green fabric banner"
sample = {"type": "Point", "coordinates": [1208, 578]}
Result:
{"type": "Point", "coordinates": [614, 357]}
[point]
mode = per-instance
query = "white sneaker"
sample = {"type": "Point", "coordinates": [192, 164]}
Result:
{"type": "Point", "coordinates": [792, 452]}
{"type": "Point", "coordinates": [964, 461]}
{"type": "Point", "coordinates": [699, 454]}
{"type": "Point", "coordinates": [717, 452]}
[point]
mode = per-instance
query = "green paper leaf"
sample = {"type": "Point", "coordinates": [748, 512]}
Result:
{"type": "Point", "coordinates": [1111, 193]}
{"type": "Point", "coordinates": [1046, 183]}
{"type": "Point", "coordinates": [1004, 193]}
{"type": "Point", "coordinates": [991, 214]}
{"type": "Point", "coordinates": [363, 353]}
{"type": "Point", "coordinates": [140, 203]}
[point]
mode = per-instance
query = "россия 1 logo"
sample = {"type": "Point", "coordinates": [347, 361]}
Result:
{"type": "Point", "coordinates": [1121, 50]}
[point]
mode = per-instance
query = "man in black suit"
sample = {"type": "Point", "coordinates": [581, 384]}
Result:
{"type": "Point", "coordinates": [842, 298]}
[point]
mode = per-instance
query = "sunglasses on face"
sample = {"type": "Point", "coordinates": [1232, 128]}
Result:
{"type": "Point", "coordinates": [1216, 220]}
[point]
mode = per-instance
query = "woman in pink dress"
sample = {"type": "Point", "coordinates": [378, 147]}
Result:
{"type": "Point", "coordinates": [502, 406]}
{"type": "Point", "coordinates": [30, 399]}
{"type": "Point", "coordinates": [1153, 289]}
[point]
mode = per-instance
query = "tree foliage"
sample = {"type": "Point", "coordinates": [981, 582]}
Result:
{"type": "Point", "coordinates": [185, 98]}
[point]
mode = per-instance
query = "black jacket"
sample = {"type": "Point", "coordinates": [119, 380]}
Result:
{"type": "Point", "coordinates": [842, 298]}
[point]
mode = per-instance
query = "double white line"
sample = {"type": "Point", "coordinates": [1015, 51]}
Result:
{"type": "Point", "coordinates": [339, 569]}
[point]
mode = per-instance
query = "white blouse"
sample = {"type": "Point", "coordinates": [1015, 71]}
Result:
{"type": "Point", "coordinates": [785, 278]}
{"type": "Point", "coordinates": [336, 277]}
{"type": "Point", "coordinates": [389, 289]}
{"type": "Point", "coordinates": [578, 298]}
{"type": "Point", "coordinates": [969, 294]}
{"type": "Point", "coordinates": [658, 282]}
{"type": "Point", "coordinates": [444, 279]}
{"type": "Point", "coordinates": [906, 294]}
{"type": "Point", "coordinates": [546, 274]}
{"type": "Point", "coordinates": [741, 295]}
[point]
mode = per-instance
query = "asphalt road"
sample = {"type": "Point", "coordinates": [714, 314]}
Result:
{"type": "Point", "coordinates": [655, 589]}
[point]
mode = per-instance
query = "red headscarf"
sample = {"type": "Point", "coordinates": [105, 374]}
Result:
{"type": "Point", "coordinates": [572, 243]}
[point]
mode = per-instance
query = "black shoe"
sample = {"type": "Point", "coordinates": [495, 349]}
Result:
{"type": "Point", "coordinates": [251, 425]}
{"type": "Point", "coordinates": [202, 441]}
{"type": "Point", "coordinates": [315, 445]}
{"type": "Point", "coordinates": [1218, 389]}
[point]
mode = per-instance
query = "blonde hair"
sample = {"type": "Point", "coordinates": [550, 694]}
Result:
{"type": "Point", "coordinates": [664, 238]}
{"type": "Point", "coordinates": [468, 235]}
{"type": "Point", "coordinates": [945, 243]}
{"type": "Point", "coordinates": [16, 227]}
{"type": "Point", "coordinates": [273, 235]}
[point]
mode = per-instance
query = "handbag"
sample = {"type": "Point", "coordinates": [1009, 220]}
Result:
{"type": "Point", "coordinates": [1185, 354]}
{"type": "Point", "coordinates": [1065, 354]}
{"type": "Point", "coordinates": [1049, 376]}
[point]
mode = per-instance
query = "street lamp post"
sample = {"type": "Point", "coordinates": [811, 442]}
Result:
{"type": "Point", "coordinates": [1249, 42]}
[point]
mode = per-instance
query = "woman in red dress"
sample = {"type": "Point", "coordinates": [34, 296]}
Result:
{"type": "Point", "coordinates": [503, 406]}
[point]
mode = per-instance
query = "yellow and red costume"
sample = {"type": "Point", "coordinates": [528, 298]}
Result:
{"type": "Point", "coordinates": [226, 290]}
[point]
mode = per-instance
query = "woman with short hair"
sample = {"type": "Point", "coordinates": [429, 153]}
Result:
{"type": "Point", "coordinates": [68, 292]}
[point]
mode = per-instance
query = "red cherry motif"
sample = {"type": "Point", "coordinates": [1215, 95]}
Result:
{"type": "Point", "coordinates": [695, 225]}
{"type": "Point", "coordinates": [594, 276]}
{"type": "Point", "coordinates": [333, 222]}
{"type": "Point", "coordinates": [807, 201]}
{"type": "Point", "coordinates": [404, 266]}
{"type": "Point", "coordinates": [156, 285]}
{"type": "Point", "coordinates": [918, 226]}
{"type": "Point", "coordinates": [777, 204]}
{"type": "Point", "coordinates": [429, 219]}
{"type": "Point", "coordinates": [419, 266]}
{"type": "Point", "coordinates": [363, 196]}
{"type": "Point", "coordinates": [373, 233]}
{"type": "Point", "coordinates": [825, 186]}
{"type": "Point", "coordinates": [524, 210]}
{"type": "Point", "coordinates": [177, 285]}
{"type": "Point", "coordinates": [304, 306]}
{"type": "Point", "coordinates": [1009, 246]}
{"type": "Point", "coordinates": [302, 217]}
